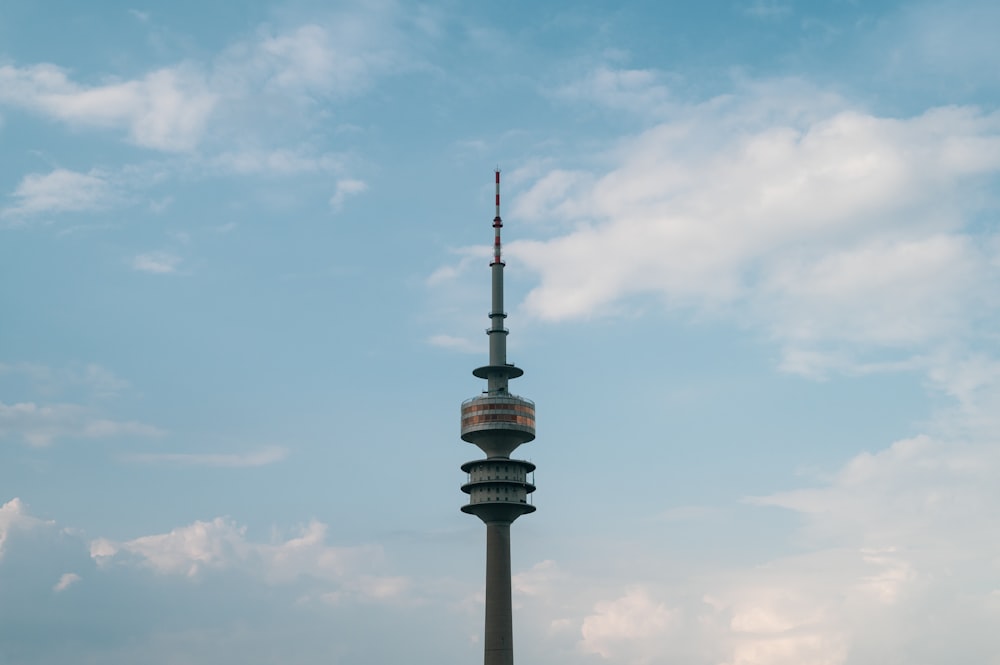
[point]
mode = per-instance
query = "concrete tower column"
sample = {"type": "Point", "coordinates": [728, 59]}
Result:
{"type": "Point", "coordinates": [499, 643]}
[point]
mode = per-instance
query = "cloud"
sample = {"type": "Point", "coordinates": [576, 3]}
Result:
{"type": "Point", "coordinates": [59, 191]}
{"type": "Point", "coordinates": [287, 77]}
{"type": "Point", "coordinates": [345, 189]}
{"type": "Point", "coordinates": [336, 57]}
{"type": "Point", "coordinates": [539, 580]}
{"type": "Point", "coordinates": [261, 457]}
{"type": "Point", "coordinates": [220, 545]}
{"type": "Point", "coordinates": [937, 46]}
{"type": "Point", "coordinates": [314, 57]}
{"type": "Point", "coordinates": [455, 343]}
{"type": "Point", "coordinates": [166, 109]}
{"type": "Point", "coordinates": [41, 424]}
{"type": "Point", "coordinates": [890, 498]}
{"type": "Point", "coordinates": [95, 381]}
{"type": "Point", "coordinates": [893, 537]}
{"type": "Point", "coordinates": [65, 581]}
{"type": "Point", "coordinates": [13, 516]}
{"type": "Point", "coordinates": [888, 292]}
{"type": "Point", "coordinates": [822, 224]}
{"type": "Point", "coordinates": [280, 161]}
{"type": "Point", "coordinates": [253, 92]}
{"type": "Point", "coordinates": [640, 91]}
{"type": "Point", "coordinates": [895, 560]}
{"type": "Point", "coordinates": [158, 263]}
{"type": "Point", "coordinates": [137, 609]}
{"type": "Point", "coordinates": [469, 257]}
{"type": "Point", "coordinates": [456, 294]}
{"type": "Point", "coordinates": [767, 9]}
{"type": "Point", "coordinates": [617, 626]}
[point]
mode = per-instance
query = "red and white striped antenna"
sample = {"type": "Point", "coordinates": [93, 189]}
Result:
{"type": "Point", "coordinates": [497, 224]}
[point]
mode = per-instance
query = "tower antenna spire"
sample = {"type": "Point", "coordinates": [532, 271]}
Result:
{"type": "Point", "coordinates": [497, 224]}
{"type": "Point", "coordinates": [498, 487]}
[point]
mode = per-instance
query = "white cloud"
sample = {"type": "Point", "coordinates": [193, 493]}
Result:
{"type": "Point", "coordinates": [890, 498]}
{"type": "Point", "coordinates": [310, 58]}
{"type": "Point", "coordinates": [41, 424]}
{"type": "Point", "coordinates": [783, 206]}
{"type": "Point", "coordinates": [261, 457]}
{"type": "Point", "coordinates": [166, 109]}
{"type": "Point", "coordinates": [539, 580]}
{"type": "Point", "coordinates": [889, 292]}
{"type": "Point", "coordinates": [65, 581]}
{"type": "Point", "coordinates": [767, 9]}
{"type": "Point", "coordinates": [13, 515]}
{"type": "Point", "coordinates": [186, 550]}
{"type": "Point", "coordinates": [337, 57]}
{"type": "Point", "coordinates": [620, 629]}
{"type": "Point", "coordinates": [469, 256]}
{"type": "Point", "coordinates": [281, 161]}
{"type": "Point", "coordinates": [894, 536]}
{"type": "Point", "coordinates": [250, 109]}
{"type": "Point", "coordinates": [175, 108]}
{"type": "Point", "coordinates": [897, 550]}
{"type": "Point", "coordinates": [221, 544]}
{"type": "Point", "coordinates": [935, 44]}
{"type": "Point", "coordinates": [549, 195]}
{"type": "Point", "coordinates": [635, 90]}
{"type": "Point", "coordinates": [96, 380]}
{"type": "Point", "coordinates": [344, 189]}
{"type": "Point", "coordinates": [158, 263]}
{"type": "Point", "coordinates": [455, 343]}
{"type": "Point", "coordinates": [273, 80]}
{"type": "Point", "coordinates": [59, 191]}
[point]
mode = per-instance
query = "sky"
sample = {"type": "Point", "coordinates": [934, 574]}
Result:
{"type": "Point", "coordinates": [753, 261]}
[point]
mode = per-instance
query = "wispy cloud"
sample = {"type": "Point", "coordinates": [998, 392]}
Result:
{"type": "Point", "coordinates": [166, 109]}
{"type": "Point", "coordinates": [41, 424]}
{"type": "Point", "coordinates": [158, 263]}
{"type": "Point", "coordinates": [261, 457]}
{"type": "Point", "coordinates": [279, 161]}
{"type": "Point", "coordinates": [65, 581]}
{"type": "Point", "coordinates": [454, 343]}
{"type": "Point", "coordinates": [767, 9]}
{"type": "Point", "coordinates": [344, 189]}
{"type": "Point", "coordinates": [641, 91]}
{"type": "Point", "coordinates": [318, 58]}
{"type": "Point", "coordinates": [59, 191]}
{"type": "Point", "coordinates": [95, 380]}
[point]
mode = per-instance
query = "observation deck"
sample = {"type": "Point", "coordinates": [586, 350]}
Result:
{"type": "Point", "coordinates": [506, 414]}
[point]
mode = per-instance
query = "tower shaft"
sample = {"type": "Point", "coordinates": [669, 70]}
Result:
{"type": "Point", "coordinates": [499, 642]}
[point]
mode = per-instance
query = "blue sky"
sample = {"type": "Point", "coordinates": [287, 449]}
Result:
{"type": "Point", "coordinates": [752, 265]}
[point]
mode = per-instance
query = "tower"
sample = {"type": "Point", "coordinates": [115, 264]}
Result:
{"type": "Point", "coordinates": [498, 488]}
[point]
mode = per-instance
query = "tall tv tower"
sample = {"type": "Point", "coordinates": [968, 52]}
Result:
{"type": "Point", "coordinates": [498, 487]}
